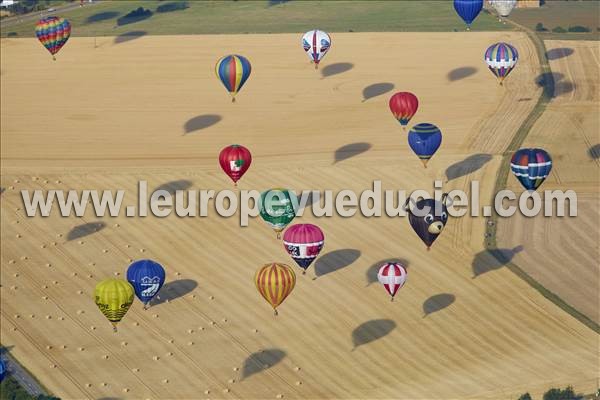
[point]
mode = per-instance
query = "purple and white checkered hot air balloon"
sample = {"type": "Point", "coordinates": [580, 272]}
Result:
{"type": "Point", "coordinates": [392, 276]}
{"type": "Point", "coordinates": [501, 58]}
{"type": "Point", "coordinates": [304, 243]}
{"type": "Point", "coordinates": [316, 44]}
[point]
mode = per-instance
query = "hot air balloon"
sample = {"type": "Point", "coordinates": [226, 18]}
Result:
{"type": "Point", "coordinates": [468, 10]}
{"type": "Point", "coordinates": [2, 370]}
{"type": "Point", "coordinates": [531, 167]}
{"type": "Point", "coordinates": [275, 282]}
{"type": "Point", "coordinates": [233, 71]}
{"type": "Point", "coordinates": [304, 243]}
{"type": "Point", "coordinates": [113, 298]}
{"type": "Point", "coordinates": [316, 44]}
{"type": "Point", "coordinates": [504, 7]}
{"type": "Point", "coordinates": [53, 33]}
{"type": "Point", "coordinates": [404, 105]}
{"type": "Point", "coordinates": [146, 277]}
{"type": "Point", "coordinates": [424, 139]}
{"type": "Point", "coordinates": [428, 218]}
{"type": "Point", "coordinates": [277, 208]}
{"type": "Point", "coordinates": [501, 59]}
{"type": "Point", "coordinates": [235, 161]}
{"type": "Point", "coordinates": [392, 276]}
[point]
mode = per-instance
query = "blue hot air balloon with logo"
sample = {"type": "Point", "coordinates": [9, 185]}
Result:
{"type": "Point", "coordinates": [468, 10]}
{"type": "Point", "coordinates": [146, 277]}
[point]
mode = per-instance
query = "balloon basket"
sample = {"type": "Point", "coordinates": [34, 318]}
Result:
{"type": "Point", "coordinates": [114, 328]}
{"type": "Point", "coordinates": [428, 248]}
{"type": "Point", "coordinates": [233, 99]}
{"type": "Point", "coordinates": [392, 299]}
{"type": "Point", "coordinates": [53, 58]}
{"type": "Point", "coordinates": [275, 312]}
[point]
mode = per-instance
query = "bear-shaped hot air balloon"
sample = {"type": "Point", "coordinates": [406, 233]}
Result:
{"type": "Point", "coordinates": [392, 276]}
{"type": "Point", "coordinates": [304, 243]}
{"type": "Point", "coordinates": [428, 218]}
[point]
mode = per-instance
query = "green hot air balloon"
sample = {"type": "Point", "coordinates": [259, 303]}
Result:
{"type": "Point", "coordinates": [277, 208]}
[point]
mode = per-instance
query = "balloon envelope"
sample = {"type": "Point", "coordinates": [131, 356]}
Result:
{"type": "Point", "coordinates": [146, 277]}
{"type": "Point", "coordinates": [274, 282]}
{"type": "Point", "coordinates": [428, 218]}
{"type": "Point", "coordinates": [531, 167]}
{"type": "Point", "coordinates": [276, 208]}
{"type": "Point", "coordinates": [468, 10]}
{"type": "Point", "coordinates": [424, 139]}
{"type": "Point", "coordinates": [392, 276]}
{"type": "Point", "coordinates": [53, 33]}
{"type": "Point", "coordinates": [233, 71]}
{"type": "Point", "coordinates": [316, 44]}
{"type": "Point", "coordinates": [501, 58]}
{"type": "Point", "coordinates": [504, 7]}
{"type": "Point", "coordinates": [2, 370]}
{"type": "Point", "coordinates": [404, 106]}
{"type": "Point", "coordinates": [113, 298]}
{"type": "Point", "coordinates": [304, 243]}
{"type": "Point", "coordinates": [235, 161]}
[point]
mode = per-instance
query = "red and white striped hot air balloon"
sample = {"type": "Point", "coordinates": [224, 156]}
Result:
{"type": "Point", "coordinates": [392, 276]}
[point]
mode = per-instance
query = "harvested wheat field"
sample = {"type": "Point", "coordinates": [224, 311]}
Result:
{"type": "Point", "coordinates": [151, 109]}
{"type": "Point", "coordinates": [563, 253]}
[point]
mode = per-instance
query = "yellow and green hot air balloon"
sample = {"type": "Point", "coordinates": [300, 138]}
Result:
{"type": "Point", "coordinates": [113, 298]}
{"type": "Point", "coordinates": [275, 282]}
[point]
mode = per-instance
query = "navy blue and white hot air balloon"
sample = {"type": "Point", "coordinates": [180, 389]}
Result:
{"type": "Point", "coordinates": [146, 277]}
{"type": "Point", "coordinates": [424, 140]}
{"type": "Point", "coordinates": [531, 167]}
{"type": "Point", "coordinates": [2, 370]}
{"type": "Point", "coordinates": [468, 10]}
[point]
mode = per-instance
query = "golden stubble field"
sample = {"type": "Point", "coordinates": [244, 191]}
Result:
{"type": "Point", "coordinates": [151, 108]}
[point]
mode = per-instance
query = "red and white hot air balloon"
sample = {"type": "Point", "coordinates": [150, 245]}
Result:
{"type": "Point", "coordinates": [235, 161]}
{"type": "Point", "coordinates": [392, 276]}
{"type": "Point", "coordinates": [304, 243]}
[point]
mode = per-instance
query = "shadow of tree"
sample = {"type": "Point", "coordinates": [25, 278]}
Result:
{"type": "Point", "coordinates": [437, 302]}
{"type": "Point", "coordinates": [128, 36]}
{"type": "Point", "coordinates": [272, 3]}
{"type": "Point", "coordinates": [101, 16]}
{"type": "Point", "coordinates": [491, 260]}
{"type": "Point", "coordinates": [376, 89]}
{"type": "Point", "coordinates": [467, 166]}
{"type": "Point", "coordinates": [350, 150]}
{"type": "Point", "coordinates": [337, 68]}
{"type": "Point", "coordinates": [553, 84]}
{"type": "Point", "coordinates": [261, 360]}
{"type": "Point", "coordinates": [134, 16]}
{"type": "Point", "coordinates": [172, 6]}
{"type": "Point", "coordinates": [84, 230]}
{"type": "Point", "coordinates": [374, 269]}
{"type": "Point", "coordinates": [594, 152]}
{"type": "Point", "coordinates": [461, 73]}
{"type": "Point", "coordinates": [201, 122]}
{"type": "Point", "coordinates": [371, 331]}
{"type": "Point", "coordinates": [174, 186]}
{"type": "Point", "coordinates": [173, 290]}
{"type": "Point", "coordinates": [335, 260]}
{"type": "Point", "coordinates": [555, 54]}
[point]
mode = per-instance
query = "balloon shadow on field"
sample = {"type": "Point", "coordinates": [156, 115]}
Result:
{"type": "Point", "coordinates": [594, 151]}
{"type": "Point", "coordinates": [173, 186]}
{"type": "Point", "coordinates": [335, 260]}
{"type": "Point", "coordinates": [173, 290]}
{"type": "Point", "coordinates": [461, 73]}
{"type": "Point", "coordinates": [84, 230]}
{"type": "Point", "coordinates": [376, 89]}
{"type": "Point", "coordinates": [371, 331]}
{"type": "Point", "coordinates": [555, 54]}
{"type": "Point", "coordinates": [260, 361]}
{"type": "Point", "coordinates": [128, 36]}
{"type": "Point", "coordinates": [563, 87]}
{"type": "Point", "coordinates": [374, 269]}
{"type": "Point", "coordinates": [201, 122]}
{"type": "Point", "coordinates": [467, 166]}
{"type": "Point", "coordinates": [101, 16]}
{"type": "Point", "coordinates": [492, 260]}
{"type": "Point", "coordinates": [437, 302]}
{"type": "Point", "coordinates": [337, 68]}
{"type": "Point", "coordinates": [350, 150]}
{"type": "Point", "coordinates": [553, 84]}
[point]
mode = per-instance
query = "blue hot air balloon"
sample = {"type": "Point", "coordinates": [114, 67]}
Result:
{"type": "Point", "coordinates": [424, 140]}
{"type": "Point", "coordinates": [531, 167]}
{"type": "Point", "coordinates": [468, 10]}
{"type": "Point", "coordinates": [146, 277]}
{"type": "Point", "coordinates": [2, 370]}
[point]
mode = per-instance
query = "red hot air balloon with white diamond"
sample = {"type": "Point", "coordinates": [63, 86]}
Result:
{"type": "Point", "coordinates": [392, 276]}
{"type": "Point", "coordinates": [235, 161]}
{"type": "Point", "coordinates": [304, 243]}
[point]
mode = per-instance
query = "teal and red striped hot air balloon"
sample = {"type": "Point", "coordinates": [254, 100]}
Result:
{"type": "Point", "coordinates": [304, 243]}
{"type": "Point", "coordinates": [53, 33]}
{"type": "Point", "coordinates": [233, 71]}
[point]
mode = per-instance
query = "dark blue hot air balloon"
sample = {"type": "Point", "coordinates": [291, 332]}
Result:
{"type": "Point", "coordinates": [531, 167]}
{"type": "Point", "coordinates": [2, 370]}
{"type": "Point", "coordinates": [146, 277]}
{"type": "Point", "coordinates": [424, 140]}
{"type": "Point", "coordinates": [468, 10]}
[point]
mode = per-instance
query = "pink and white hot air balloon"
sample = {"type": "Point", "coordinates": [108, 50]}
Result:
{"type": "Point", "coordinates": [392, 276]}
{"type": "Point", "coordinates": [304, 243]}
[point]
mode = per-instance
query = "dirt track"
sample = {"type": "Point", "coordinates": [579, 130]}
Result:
{"type": "Point", "coordinates": [107, 117]}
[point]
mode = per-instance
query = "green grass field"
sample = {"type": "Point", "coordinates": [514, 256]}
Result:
{"type": "Point", "coordinates": [206, 17]}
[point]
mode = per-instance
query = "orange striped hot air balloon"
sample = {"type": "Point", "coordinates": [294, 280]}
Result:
{"type": "Point", "coordinates": [275, 282]}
